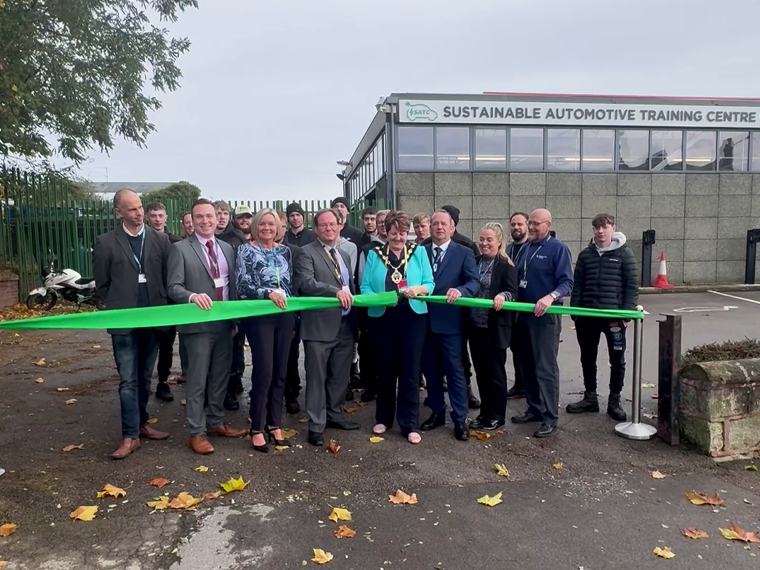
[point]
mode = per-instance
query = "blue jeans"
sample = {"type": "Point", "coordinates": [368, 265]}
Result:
{"type": "Point", "coordinates": [135, 355]}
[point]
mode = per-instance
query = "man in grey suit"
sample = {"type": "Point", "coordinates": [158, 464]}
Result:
{"type": "Point", "coordinates": [129, 264]}
{"type": "Point", "coordinates": [328, 334]}
{"type": "Point", "coordinates": [201, 271]}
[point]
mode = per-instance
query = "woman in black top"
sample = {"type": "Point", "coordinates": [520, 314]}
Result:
{"type": "Point", "coordinates": [490, 330]}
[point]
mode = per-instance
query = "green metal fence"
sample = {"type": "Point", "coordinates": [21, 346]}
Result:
{"type": "Point", "coordinates": [41, 220]}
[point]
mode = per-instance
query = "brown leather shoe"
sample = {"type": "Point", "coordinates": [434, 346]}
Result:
{"type": "Point", "coordinates": [227, 431]}
{"type": "Point", "coordinates": [149, 433]}
{"type": "Point", "coordinates": [201, 445]}
{"type": "Point", "coordinates": [127, 447]}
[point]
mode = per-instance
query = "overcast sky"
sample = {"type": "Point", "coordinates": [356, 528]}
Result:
{"type": "Point", "coordinates": [274, 93]}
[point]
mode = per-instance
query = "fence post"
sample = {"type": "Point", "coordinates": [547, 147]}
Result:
{"type": "Point", "coordinates": [753, 236]}
{"type": "Point", "coordinates": [668, 388]}
{"type": "Point", "coordinates": [647, 241]}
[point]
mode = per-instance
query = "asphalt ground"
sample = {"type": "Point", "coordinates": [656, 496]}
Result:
{"type": "Point", "coordinates": [600, 510]}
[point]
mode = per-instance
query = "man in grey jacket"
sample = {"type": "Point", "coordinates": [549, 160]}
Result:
{"type": "Point", "coordinates": [201, 271]}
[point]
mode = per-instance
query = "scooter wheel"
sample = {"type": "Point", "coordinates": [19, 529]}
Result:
{"type": "Point", "coordinates": [41, 302]}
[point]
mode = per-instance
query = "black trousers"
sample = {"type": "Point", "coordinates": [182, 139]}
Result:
{"type": "Point", "coordinates": [588, 331]}
{"type": "Point", "coordinates": [293, 377]}
{"type": "Point", "coordinates": [368, 362]}
{"type": "Point", "coordinates": [269, 337]}
{"type": "Point", "coordinates": [235, 382]}
{"type": "Point", "coordinates": [399, 335]}
{"type": "Point", "coordinates": [490, 372]}
{"type": "Point", "coordinates": [165, 353]}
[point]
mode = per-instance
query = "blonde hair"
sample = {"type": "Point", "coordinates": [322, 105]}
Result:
{"type": "Point", "coordinates": [257, 220]}
{"type": "Point", "coordinates": [498, 229]}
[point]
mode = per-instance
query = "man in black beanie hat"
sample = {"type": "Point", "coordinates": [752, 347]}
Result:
{"type": "Point", "coordinates": [349, 232]}
{"type": "Point", "coordinates": [298, 234]}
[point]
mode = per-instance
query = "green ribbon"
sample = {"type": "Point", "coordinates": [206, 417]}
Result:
{"type": "Point", "coordinates": [171, 315]}
{"type": "Point", "coordinates": [528, 308]}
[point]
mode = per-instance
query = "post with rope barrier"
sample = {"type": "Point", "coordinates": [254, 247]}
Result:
{"type": "Point", "coordinates": [635, 429]}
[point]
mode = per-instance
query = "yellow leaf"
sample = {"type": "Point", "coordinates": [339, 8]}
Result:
{"type": "Point", "coordinates": [158, 482]}
{"type": "Point", "coordinates": [480, 435]}
{"type": "Point", "coordinates": [351, 410]}
{"type": "Point", "coordinates": [733, 532]}
{"type": "Point", "coordinates": [401, 498]}
{"type": "Point", "coordinates": [664, 552]}
{"type": "Point", "coordinates": [501, 470]}
{"type": "Point", "coordinates": [338, 514]}
{"type": "Point", "coordinates": [40, 362]}
{"type": "Point", "coordinates": [201, 468]}
{"type": "Point", "coordinates": [234, 485]}
{"type": "Point", "coordinates": [84, 513]}
{"type": "Point", "coordinates": [647, 385]}
{"type": "Point", "coordinates": [39, 380]}
{"type": "Point", "coordinates": [288, 433]}
{"type": "Point", "coordinates": [321, 557]}
{"type": "Point", "coordinates": [557, 466]}
{"type": "Point", "coordinates": [657, 475]}
{"type": "Point", "coordinates": [152, 420]}
{"type": "Point", "coordinates": [281, 447]}
{"type": "Point", "coordinates": [751, 467]}
{"type": "Point", "coordinates": [212, 496]}
{"type": "Point", "coordinates": [376, 439]}
{"type": "Point", "coordinates": [702, 499]}
{"type": "Point", "coordinates": [303, 420]}
{"type": "Point", "coordinates": [73, 447]}
{"type": "Point", "coordinates": [344, 532]}
{"type": "Point", "coordinates": [8, 529]}
{"type": "Point", "coordinates": [159, 503]}
{"type": "Point", "coordinates": [71, 401]}
{"type": "Point", "coordinates": [333, 447]}
{"type": "Point", "coordinates": [2, 563]}
{"type": "Point", "coordinates": [111, 491]}
{"type": "Point", "coordinates": [490, 501]}
{"type": "Point", "coordinates": [693, 533]}
{"type": "Point", "coordinates": [184, 501]}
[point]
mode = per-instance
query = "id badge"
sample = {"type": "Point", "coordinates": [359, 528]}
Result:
{"type": "Point", "coordinates": [218, 283]}
{"type": "Point", "coordinates": [141, 278]}
{"type": "Point", "coordinates": [523, 283]}
{"type": "Point", "coordinates": [402, 284]}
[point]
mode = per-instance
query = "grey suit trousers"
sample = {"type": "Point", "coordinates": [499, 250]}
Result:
{"type": "Point", "coordinates": [209, 360]}
{"type": "Point", "coordinates": [328, 365]}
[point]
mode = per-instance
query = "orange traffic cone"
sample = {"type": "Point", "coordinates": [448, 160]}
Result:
{"type": "Point", "coordinates": [662, 275]}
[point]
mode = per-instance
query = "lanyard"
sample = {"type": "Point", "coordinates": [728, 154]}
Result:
{"type": "Point", "coordinates": [335, 264]}
{"type": "Point", "coordinates": [138, 260]}
{"type": "Point", "coordinates": [527, 261]}
{"type": "Point", "coordinates": [486, 267]}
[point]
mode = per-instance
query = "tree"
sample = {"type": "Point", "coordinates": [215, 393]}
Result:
{"type": "Point", "coordinates": [182, 193]}
{"type": "Point", "coordinates": [77, 70]}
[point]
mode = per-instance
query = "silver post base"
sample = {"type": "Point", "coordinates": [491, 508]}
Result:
{"type": "Point", "coordinates": [630, 430]}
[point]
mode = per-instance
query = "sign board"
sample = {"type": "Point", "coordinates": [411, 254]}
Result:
{"type": "Point", "coordinates": [578, 114]}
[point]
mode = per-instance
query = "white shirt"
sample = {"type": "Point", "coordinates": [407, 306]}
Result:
{"type": "Point", "coordinates": [142, 229]}
{"type": "Point", "coordinates": [224, 270]}
{"type": "Point", "coordinates": [444, 248]}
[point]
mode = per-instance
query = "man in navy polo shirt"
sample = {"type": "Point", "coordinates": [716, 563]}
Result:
{"type": "Point", "coordinates": [545, 276]}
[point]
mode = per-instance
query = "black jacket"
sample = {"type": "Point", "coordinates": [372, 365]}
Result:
{"type": "Point", "coordinates": [503, 280]}
{"type": "Point", "coordinates": [606, 281]}
{"type": "Point", "coordinates": [232, 236]}
{"type": "Point", "coordinates": [352, 234]}
{"type": "Point", "coordinates": [461, 240]}
{"type": "Point", "coordinates": [302, 238]}
{"type": "Point", "coordinates": [172, 237]}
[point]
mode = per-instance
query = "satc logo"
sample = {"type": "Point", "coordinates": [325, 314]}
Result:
{"type": "Point", "coordinates": [420, 112]}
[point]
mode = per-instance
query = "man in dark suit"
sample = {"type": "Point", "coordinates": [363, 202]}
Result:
{"type": "Point", "coordinates": [129, 264]}
{"type": "Point", "coordinates": [455, 275]}
{"type": "Point", "coordinates": [328, 334]}
{"type": "Point", "coordinates": [201, 271]}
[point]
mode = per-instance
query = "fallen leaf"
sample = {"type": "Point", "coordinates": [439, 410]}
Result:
{"type": "Point", "coordinates": [152, 420]}
{"type": "Point", "coordinates": [303, 420]}
{"type": "Point", "coordinates": [664, 552]}
{"type": "Point", "coordinates": [73, 447]}
{"type": "Point", "coordinates": [212, 496]}
{"type": "Point", "coordinates": [702, 499]}
{"type": "Point", "coordinates": [361, 404]}
{"type": "Point", "coordinates": [183, 402]}
{"type": "Point", "coordinates": [693, 533]}
{"type": "Point", "coordinates": [8, 529]}
{"type": "Point", "coordinates": [71, 401]}
{"type": "Point", "coordinates": [401, 498]}
{"type": "Point", "coordinates": [733, 532]}
{"type": "Point", "coordinates": [647, 385]}
{"type": "Point", "coordinates": [501, 470]}
{"type": "Point", "coordinates": [288, 433]}
{"type": "Point", "coordinates": [111, 491]}
{"type": "Point", "coordinates": [376, 439]}
{"type": "Point", "coordinates": [158, 482]}
{"type": "Point", "coordinates": [159, 503]}
{"type": "Point", "coordinates": [39, 380]}
{"type": "Point", "coordinates": [40, 362]}
{"type": "Point", "coordinates": [184, 501]}
{"type": "Point", "coordinates": [333, 447]}
{"type": "Point", "coordinates": [234, 485]}
{"type": "Point", "coordinates": [751, 467]}
{"type": "Point", "coordinates": [480, 435]}
{"type": "Point", "coordinates": [281, 447]}
{"type": "Point", "coordinates": [338, 514]}
{"type": "Point", "coordinates": [344, 532]}
{"type": "Point", "coordinates": [657, 475]}
{"type": "Point", "coordinates": [557, 466]}
{"type": "Point", "coordinates": [490, 501]}
{"type": "Point", "coordinates": [201, 468]}
{"type": "Point", "coordinates": [3, 563]}
{"type": "Point", "coordinates": [95, 346]}
{"type": "Point", "coordinates": [321, 557]}
{"type": "Point", "coordinates": [62, 389]}
{"type": "Point", "coordinates": [84, 513]}
{"type": "Point", "coordinates": [350, 410]}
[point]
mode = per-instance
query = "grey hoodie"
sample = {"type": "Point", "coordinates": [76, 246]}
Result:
{"type": "Point", "coordinates": [618, 241]}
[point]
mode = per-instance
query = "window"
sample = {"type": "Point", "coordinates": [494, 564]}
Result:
{"type": "Point", "coordinates": [666, 150]}
{"type": "Point", "coordinates": [452, 147]}
{"type": "Point", "coordinates": [598, 149]}
{"type": "Point", "coordinates": [733, 150]}
{"type": "Point", "coordinates": [415, 148]}
{"type": "Point", "coordinates": [755, 164]}
{"type": "Point", "coordinates": [563, 149]}
{"type": "Point", "coordinates": [700, 150]}
{"type": "Point", "coordinates": [633, 150]}
{"type": "Point", "coordinates": [526, 149]}
{"type": "Point", "coordinates": [490, 149]}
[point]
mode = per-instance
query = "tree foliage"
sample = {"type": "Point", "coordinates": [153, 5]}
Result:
{"type": "Point", "coordinates": [181, 192]}
{"type": "Point", "coordinates": [77, 70]}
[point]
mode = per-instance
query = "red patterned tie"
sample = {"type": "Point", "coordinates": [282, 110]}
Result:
{"type": "Point", "coordinates": [214, 267]}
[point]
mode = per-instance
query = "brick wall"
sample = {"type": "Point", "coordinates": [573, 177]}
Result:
{"type": "Point", "coordinates": [8, 291]}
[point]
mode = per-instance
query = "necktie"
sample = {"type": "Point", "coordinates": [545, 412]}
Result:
{"type": "Point", "coordinates": [214, 267]}
{"type": "Point", "coordinates": [334, 256]}
{"type": "Point", "coordinates": [438, 257]}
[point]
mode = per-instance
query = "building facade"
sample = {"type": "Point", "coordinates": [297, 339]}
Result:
{"type": "Point", "coordinates": [687, 168]}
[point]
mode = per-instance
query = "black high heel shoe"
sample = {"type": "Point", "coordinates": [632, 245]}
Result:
{"type": "Point", "coordinates": [272, 438]}
{"type": "Point", "coordinates": [261, 448]}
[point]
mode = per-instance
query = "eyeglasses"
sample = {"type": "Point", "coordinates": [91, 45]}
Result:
{"type": "Point", "coordinates": [533, 224]}
{"type": "Point", "coordinates": [331, 226]}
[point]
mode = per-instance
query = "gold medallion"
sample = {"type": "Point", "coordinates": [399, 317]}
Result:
{"type": "Point", "coordinates": [396, 276]}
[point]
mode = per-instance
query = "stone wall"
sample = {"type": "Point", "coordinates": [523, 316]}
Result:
{"type": "Point", "coordinates": [701, 219]}
{"type": "Point", "coordinates": [720, 407]}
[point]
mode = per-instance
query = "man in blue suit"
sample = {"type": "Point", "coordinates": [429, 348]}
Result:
{"type": "Point", "coordinates": [456, 275]}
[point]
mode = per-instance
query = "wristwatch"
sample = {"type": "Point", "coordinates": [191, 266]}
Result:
{"type": "Point", "coordinates": [554, 295]}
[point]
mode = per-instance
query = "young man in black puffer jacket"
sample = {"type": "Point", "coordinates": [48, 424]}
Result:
{"type": "Point", "coordinates": [605, 278]}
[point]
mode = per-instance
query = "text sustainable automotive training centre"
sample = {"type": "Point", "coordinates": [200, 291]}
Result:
{"type": "Point", "coordinates": [688, 168]}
